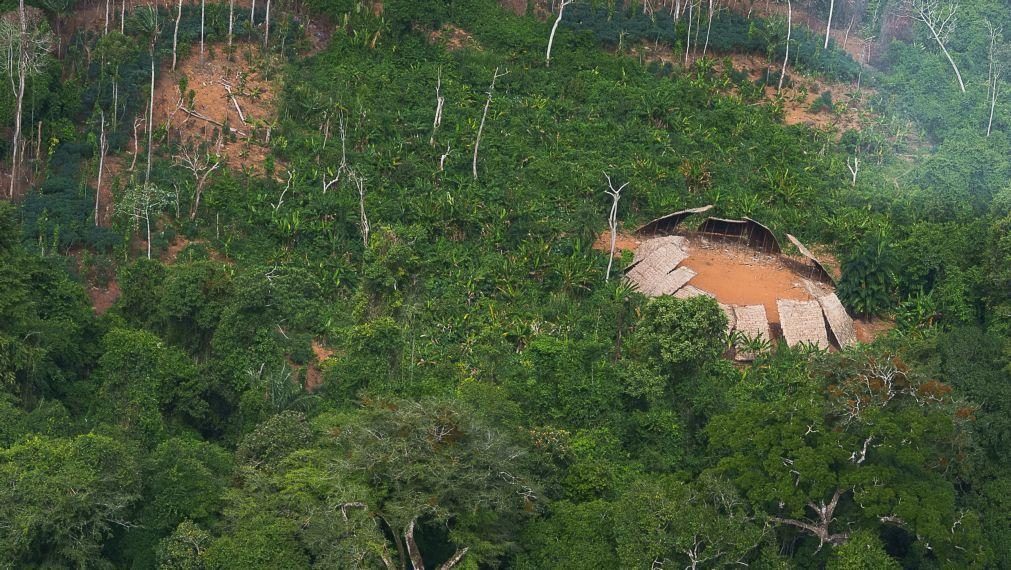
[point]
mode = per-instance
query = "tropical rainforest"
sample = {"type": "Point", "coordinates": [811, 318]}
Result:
{"type": "Point", "coordinates": [356, 319]}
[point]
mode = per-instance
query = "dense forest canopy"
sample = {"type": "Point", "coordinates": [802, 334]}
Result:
{"type": "Point", "coordinates": [320, 284]}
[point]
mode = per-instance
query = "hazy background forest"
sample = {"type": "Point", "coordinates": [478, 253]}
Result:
{"type": "Point", "coordinates": [313, 284]}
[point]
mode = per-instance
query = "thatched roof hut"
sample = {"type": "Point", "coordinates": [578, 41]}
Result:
{"type": "Point", "coordinates": [839, 321]}
{"type": "Point", "coordinates": [802, 321]}
{"type": "Point", "coordinates": [819, 269]}
{"type": "Point", "coordinates": [753, 233]}
{"type": "Point", "coordinates": [670, 222]}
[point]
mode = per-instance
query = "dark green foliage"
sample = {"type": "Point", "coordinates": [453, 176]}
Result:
{"type": "Point", "coordinates": [868, 277]}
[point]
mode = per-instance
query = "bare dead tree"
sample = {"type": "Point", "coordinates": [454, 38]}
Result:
{"type": "Point", "coordinates": [266, 27]}
{"type": "Point", "coordinates": [151, 27]}
{"type": "Point", "coordinates": [709, 28]}
{"type": "Point", "coordinates": [551, 38]}
{"type": "Point", "coordinates": [287, 186]}
{"type": "Point", "coordinates": [484, 117]}
{"type": "Point", "coordinates": [853, 164]}
{"type": "Point", "coordinates": [820, 527]}
{"type": "Point", "coordinates": [359, 183]}
{"type": "Point", "coordinates": [996, 70]}
{"type": "Point", "coordinates": [442, 159]}
{"type": "Point", "coordinates": [612, 220]}
{"type": "Point", "coordinates": [688, 40]}
{"type": "Point", "coordinates": [175, 33]}
{"type": "Point", "coordinates": [789, 34]}
{"type": "Point", "coordinates": [440, 102]}
{"type": "Point", "coordinates": [231, 20]}
{"type": "Point", "coordinates": [940, 18]}
{"type": "Point", "coordinates": [103, 147]}
{"type": "Point", "coordinates": [828, 26]}
{"type": "Point", "coordinates": [203, 4]}
{"type": "Point", "coordinates": [25, 45]}
{"type": "Point", "coordinates": [201, 164]}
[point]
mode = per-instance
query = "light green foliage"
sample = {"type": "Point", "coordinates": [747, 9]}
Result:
{"type": "Point", "coordinates": [702, 523]}
{"type": "Point", "coordinates": [864, 551]}
{"type": "Point", "coordinates": [61, 498]}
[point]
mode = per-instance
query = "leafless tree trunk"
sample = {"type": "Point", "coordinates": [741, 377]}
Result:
{"type": "Point", "coordinates": [709, 28]}
{"type": "Point", "coordinates": [175, 33]}
{"type": "Point", "coordinates": [996, 72]}
{"type": "Point", "coordinates": [612, 220]}
{"type": "Point", "coordinates": [266, 27]}
{"type": "Point", "coordinates": [203, 4]}
{"type": "Point", "coordinates": [820, 528]}
{"type": "Point", "coordinates": [106, 30]}
{"type": "Point", "coordinates": [854, 167]}
{"type": "Point", "coordinates": [440, 101]}
{"type": "Point", "coordinates": [688, 40]}
{"type": "Point", "coordinates": [201, 164]}
{"type": "Point", "coordinates": [828, 26]}
{"type": "Point", "coordinates": [25, 55]}
{"type": "Point", "coordinates": [412, 547]}
{"type": "Point", "coordinates": [150, 122]}
{"type": "Point", "coordinates": [359, 182]}
{"type": "Point", "coordinates": [940, 20]}
{"type": "Point", "coordinates": [789, 34]}
{"type": "Point", "coordinates": [554, 28]}
{"type": "Point", "coordinates": [102, 148]}
{"type": "Point", "coordinates": [122, 18]}
{"type": "Point", "coordinates": [484, 116]}
{"type": "Point", "coordinates": [231, 20]}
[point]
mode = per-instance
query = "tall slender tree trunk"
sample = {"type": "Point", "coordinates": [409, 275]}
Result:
{"type": "Point", "coordinates": [828, 26]}
{"type": "Point", "coordinates": [122, 18]}
{"type": "Point", "coordinates": [688, 40]}
{"type": "Point", "coordinates": [554, 28]}
{"type": "Point", "coordinates": [789, 34]}
{"type": "Point", "coordinates": [203, 3]}
{"type": "Point", "coordinates": [993, 103]}
{"type": "Point", "coordinates": [231, 20]}
{"type": "Point", "coordinates": [106, 31]}
{"type": "Point", "coordinates": [150, 122]}
{"type": "Point", "coordinates": [266, 26]}
{"type": "Point", "coordinates": [101, 165]}
{"type": "Point", "coordinates": [19, 95]}
{"type": "Point", "coordinates": [709, 28]}
{"type": "Point", "coordinates": [175, 34]}
{"type": "Point", "coordinates": [252, 15]}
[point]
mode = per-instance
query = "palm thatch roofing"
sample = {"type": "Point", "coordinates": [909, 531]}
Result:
{"type": "Point", "coordinates": [655, 271]}
{"type": "Point", "coordinates": [753, 233]}
{"type": "Point", "coordinates": [822, 272]}
{"type": "Point", "coordinates": [802, 322]}
{"type": "Point", "coordinates": [689, 291]}
{"type": "Point", "coordinates": [751, 320]}
{"type": "Point", "coordinates": [839, 321]}
{"type": "Point", "coordinates": [670, 222]}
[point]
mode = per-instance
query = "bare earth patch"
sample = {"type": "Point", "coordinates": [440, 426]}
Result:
{"type": "Point", "coordinates": [741, 276]}
{"type": "Point", "coordinates": [453, 38]}
{"type": "Point", "coordinates": [623, 242]}
{"type": "Point", "coordinates": [103, 298]}
{"type": "Point", "coordinates": [314, 376]}
{"type": "Point", "coordinates": [220, 95]}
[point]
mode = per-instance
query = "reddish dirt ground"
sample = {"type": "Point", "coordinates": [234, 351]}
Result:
{"type": "Point", "coordinates": [867, 331]}
{"type": "Point", "coordinates": [314, 376]}
{"type": "Point", "coordinates": [453, 38]}
{"type": "Point", "coordinates": [624, 242]}
{"type": "Point", "coordinates": [206, 79]}
{"type": "Point", "coordinates": [742, 276]}
{"type": "Point", "coordinates": [102, 299]}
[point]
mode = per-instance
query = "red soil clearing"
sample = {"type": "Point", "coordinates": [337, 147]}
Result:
{"type": "Point", "coordinates": [741, 276]}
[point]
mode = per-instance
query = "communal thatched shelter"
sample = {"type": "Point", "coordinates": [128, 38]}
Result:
{"type": "Point", "coordinates": [669, 223]}
{"type": "Point", "coordinates": [752, 233]}
{"type": "Point", "coordinates": [839, 321]}
{"type": "Point", "coordinates": [689, 291]}
{"type": "Point", "coordinates": [802, 322]}
{"type": "Point", "coordinates": [752, 321]}
{"type": "Point", "coordinates": [655, 271]}
{"type": "Point", "coordinates": [818, 269]}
